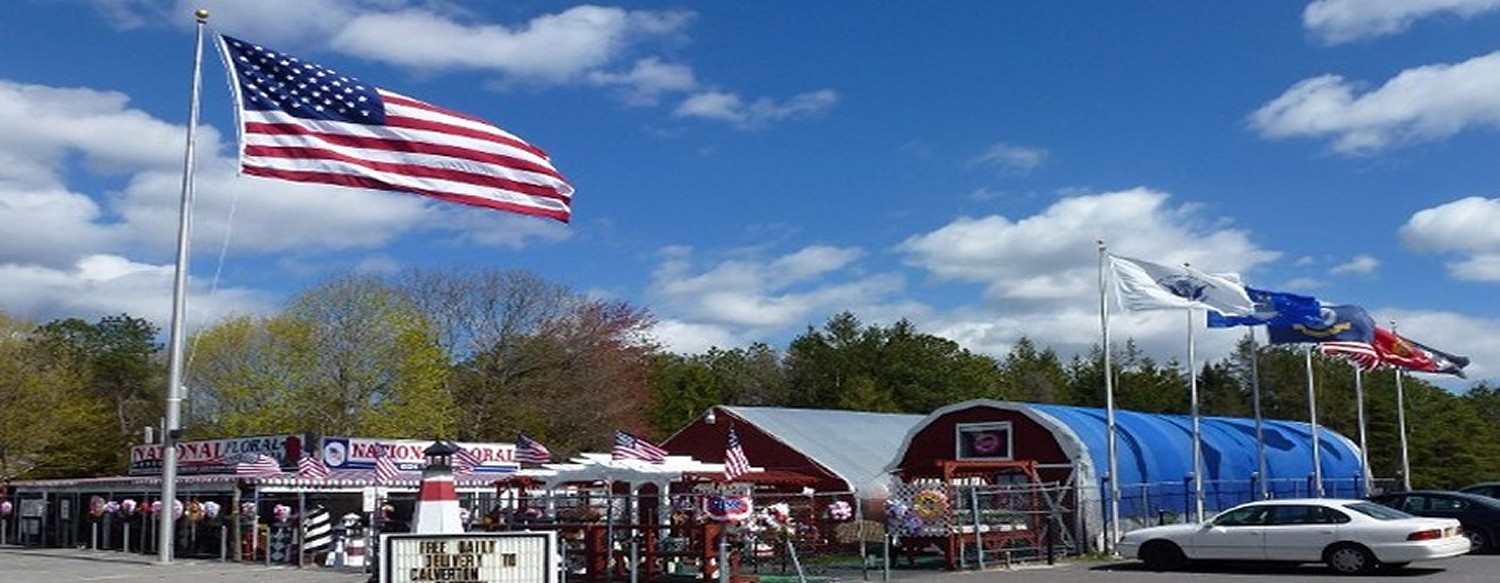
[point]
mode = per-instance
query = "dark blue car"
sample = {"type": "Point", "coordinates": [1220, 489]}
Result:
{"type": "Point", "coordinates": [1480, 515]}
{"type": "Point", "coordinates": [1491, 489]}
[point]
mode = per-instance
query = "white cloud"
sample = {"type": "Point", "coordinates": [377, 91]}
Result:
{"type": "Point", "coordinates": [1051, 256]}
{"type": "Point", "coordinates": [45, 124]}
{"type": "Point", "coordinates": [1340, 21]}
{"type": "Point", "coordinates": [102, 285]}
{"type": "Point", "coordinates": [751, 292]}
{"type": "Point", "coordinates": [1420, 104]}
{"type": "Point", "coordinates": [552, 48]}
{"type": "Point", "coordinates": [1359, 265]}
{"type": "Point", "coordinates": [1465, 227]}
{"type": "Point", "coordinates": [1041, 273]}
{"type": "Point", "coordinates": [1040, 276]}
{"type": "Point", "coordinates": [693, 338]}
{"type": "Point", "coordinates": [729, 107]}
{"type": "Point", "coordinates": [1011, 158]}
{"type": "Point", "coordinates": [647, 81]}
{"type": "Point", "coordinates": [584, 45]}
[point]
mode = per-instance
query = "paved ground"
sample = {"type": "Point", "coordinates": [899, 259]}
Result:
{"type": "Point", "coordinates": [18, 565]}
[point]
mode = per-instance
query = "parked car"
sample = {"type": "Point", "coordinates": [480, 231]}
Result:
{"type": "Point", "coordinates": [1350, 536]}
{"type": "Point", "coordinates": [1491, 489]}
{"type": "Point", "coordinates": [1479, 515]}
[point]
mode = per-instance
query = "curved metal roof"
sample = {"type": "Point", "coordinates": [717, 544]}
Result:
{"type": "Point", "coordinates": [853, 445]}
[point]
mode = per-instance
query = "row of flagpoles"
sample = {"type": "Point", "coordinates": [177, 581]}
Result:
{"type": "Point", "coordinates": [1337, 330]}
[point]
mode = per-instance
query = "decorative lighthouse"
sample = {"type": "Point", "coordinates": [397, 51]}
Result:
{"type": "Point", "coordinates": [437, 500]}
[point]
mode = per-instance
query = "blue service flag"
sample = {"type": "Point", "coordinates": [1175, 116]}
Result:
{"type": "Point", "coordinates": [1343, 323]}
{"type": "Point", "coordinates": [1272, 308]}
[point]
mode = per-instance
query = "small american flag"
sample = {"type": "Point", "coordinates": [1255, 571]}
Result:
{"type": "Point", "coordinates": [465, 461]}
{"type": "Point", "coordinates": [385, 466]}
{"type": "Point", "coordinates": [628, 446]}
{"type": "Point", "coordinates": [1362, 355]}
{"type": "Point", "coordinates": [311, 467]}
{"type": "Point", "coordinates": [735, 462]}
{"type": "Point", "coordinates": [529, 451]}
{"type": "Point", "coordinates": [306, 123]}
{"type": "Point", "coordinates": [258, 464]}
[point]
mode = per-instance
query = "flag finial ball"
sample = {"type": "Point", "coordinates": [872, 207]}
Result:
{"type": "Point", "coordinates": [201, 13]}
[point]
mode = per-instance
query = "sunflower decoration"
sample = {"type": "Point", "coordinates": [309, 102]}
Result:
{"type": "Point", "coordinates": [930, 504]}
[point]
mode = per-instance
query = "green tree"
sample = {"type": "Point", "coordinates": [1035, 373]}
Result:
{"type": "Point", "coordinates": [124, 388]}
{"type": "Point", "coordinates": [1033, 375]}
{"type": "Point", "coordinates": [41, 400]}
{"type": "Point", "coordinates": [350, 356]}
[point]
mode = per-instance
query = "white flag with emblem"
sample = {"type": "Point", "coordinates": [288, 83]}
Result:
{"type": "Point", "coordinates": [1142, 285]}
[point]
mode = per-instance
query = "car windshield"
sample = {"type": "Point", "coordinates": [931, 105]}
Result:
{"type": "Point", "coordinates": [1377, 511]}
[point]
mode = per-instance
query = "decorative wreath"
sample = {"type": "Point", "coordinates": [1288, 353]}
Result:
{"type": "Point", "coordinates": [930, 504]}
{"type": "Point", "coordinates": [987, 443]}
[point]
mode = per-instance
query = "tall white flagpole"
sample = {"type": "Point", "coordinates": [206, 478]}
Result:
{"type": "Point", "coordinates": [1197, 425]}
{"type": "Point", "coordinates": [1260, 431]}
{"type": "Point", "coordinates": [1401, 427]}
{"type": "Point", "coordinates": [166, 535]}
{"type": "Point", "coordinates": [1312, 415]}
{"type": "Point", "coordinates": [1401, 424]}
{"type": "Point", "coordinates": [1364, 450]}
{"type": "Point", "coordinates": [1109, 408]}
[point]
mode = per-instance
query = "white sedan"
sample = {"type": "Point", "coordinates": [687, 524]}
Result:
{"type": "Point", "coordinates": [1351, 536]}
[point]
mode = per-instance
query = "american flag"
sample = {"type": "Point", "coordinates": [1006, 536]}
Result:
{"type": "Point", "coordinates": [628, 446]}
{"type": "Point", "coordinates": [385, 466]}
{"type": "Point", "coordinates": [258, 464]}
{"type": "Point", "coordinates": [529, 451]}
{"type": "Point", "coordinates": [1362, 355]}
{"type": "Point", "coordinates": [735, 462]}
{"type": "Point", "coordinates": [306, 123]}
{"type": "Point", "coordinates": [464, 461]}
{"type": "Point", "coordinates": [310, 466]}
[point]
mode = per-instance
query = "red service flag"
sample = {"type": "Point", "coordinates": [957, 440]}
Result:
{"type": "Point", "coordinates": [1409, 354]}
{"type": "Point", "coordinates": [306, 123]}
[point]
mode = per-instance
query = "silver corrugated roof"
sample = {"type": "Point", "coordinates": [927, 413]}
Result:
{"type": "Point", "coordinates": [855, 445]}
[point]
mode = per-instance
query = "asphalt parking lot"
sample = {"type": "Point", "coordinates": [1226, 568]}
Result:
{"type": "Point", "coordinates": [20, 565]}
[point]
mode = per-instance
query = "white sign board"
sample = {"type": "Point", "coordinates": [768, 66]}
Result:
{"type": "Point", "coordinates": [478, 557]}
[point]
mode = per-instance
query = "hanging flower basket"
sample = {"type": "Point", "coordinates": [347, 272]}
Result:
{"type": "Point", "coordinates": [840, 511]}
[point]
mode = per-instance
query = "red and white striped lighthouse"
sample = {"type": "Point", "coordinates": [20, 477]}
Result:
{"type": "Point", "coordinates": [437, 500]}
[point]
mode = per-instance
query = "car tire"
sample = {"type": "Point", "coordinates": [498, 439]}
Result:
{"type": "Point", "coordinates": [1350, 559]}
{"type": "Point", "coordinates": [1479, 541]}
{"type": "Point", "coordinates": [1161, 555]}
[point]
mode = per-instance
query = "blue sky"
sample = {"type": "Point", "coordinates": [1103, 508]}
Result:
{"type": "Point", "coordinates": [745, 170]}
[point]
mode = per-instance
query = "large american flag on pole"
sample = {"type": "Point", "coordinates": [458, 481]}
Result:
{"type": "Point", "coordinates": [306, 123]}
